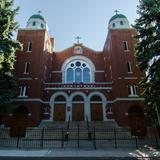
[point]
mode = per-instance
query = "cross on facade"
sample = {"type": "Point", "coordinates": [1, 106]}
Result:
{"type": "Point", "coordinates": [78, 38]}
{"type": "Point", "coordinates": [116, 11]}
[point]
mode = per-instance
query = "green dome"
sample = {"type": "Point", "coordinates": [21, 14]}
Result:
{"type": "Point", "coordinates": [117, 16]}
{"type": "Point", "coordinates": [37, 16]}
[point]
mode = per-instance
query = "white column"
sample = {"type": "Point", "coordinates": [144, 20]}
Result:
{"type": "Point", "coordinates": [87, 110]}
{"type": "Point", "coordinates": [104, 111]}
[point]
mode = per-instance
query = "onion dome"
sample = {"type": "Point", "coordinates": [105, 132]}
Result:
{"type": "Point", "coordinates": [37, 21]}
{"type": "Point", "coordinates": [118, 21]}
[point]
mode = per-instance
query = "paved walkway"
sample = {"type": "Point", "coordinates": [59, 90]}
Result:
{"type": "Point", "coordinates": [70, 152]}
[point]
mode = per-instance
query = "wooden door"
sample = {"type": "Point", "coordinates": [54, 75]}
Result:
{"type": "Point", "coordinates": [78, 112]}
{"type": "Point", "coordinates": [96, 112]}
{"type": "Point", "coordinates": [59, 112]}
{"type": "Point", "coordinates": [137, 124]}
{"type": "Point", "coordinates": [19, 125]}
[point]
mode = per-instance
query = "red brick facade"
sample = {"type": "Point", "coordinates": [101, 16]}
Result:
{"type": "Point", "coordinates": [115, 69]}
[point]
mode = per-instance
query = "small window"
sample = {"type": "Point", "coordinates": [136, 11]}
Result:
{"type": "Point", "coordinates": [23, 91]}
{"type": "Point", "coordinates": [29, 49]}
{"type": "Point", "coordinates": [113, 25]}
{"type": "Point", "coordinates": [125, 44]}
{"type": "Point", "coordinates": [42, 26]}
{"type": "Point", "coordinates": [129, 67]}
{"type": "Point", "coordinates": [34, 23]}
{"type": "Point", "coordinates": [132, 90]}
{"type": "Point", "coordinates": [78, 50]}
{"type": "Point", "coordinates": [26, 68]}
{"type": "Point", "coordinates": [121, 23]}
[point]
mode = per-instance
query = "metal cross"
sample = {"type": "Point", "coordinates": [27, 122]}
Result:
{"type": "Point", "coordinates": [39, 12]}
{"type": "Point", "coordinates": [78, 38]}
{"type": "Point", "coordinates": [116, 11]}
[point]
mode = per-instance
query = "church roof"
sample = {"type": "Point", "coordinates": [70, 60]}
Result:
{"type": "Point", "coordinates": [37, 16]}
{"type": "Point", "coordinates": [117, 16]}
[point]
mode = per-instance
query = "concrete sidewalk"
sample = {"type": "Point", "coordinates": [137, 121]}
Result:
{"type": "Point", "coordinates": [70, 152]}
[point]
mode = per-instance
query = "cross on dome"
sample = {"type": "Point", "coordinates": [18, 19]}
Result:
{"type": "Point", "coordinates": [116, 11]}
{"type": "Point", "coordinates": [39, 12]}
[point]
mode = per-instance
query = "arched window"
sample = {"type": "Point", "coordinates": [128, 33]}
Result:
{"type": "Point", "coordinates": [86, 75]}
{"type": "Point", "coordinates": [34, 23]}
{"type": "Point", "coordinates": [96, 98]}
{"type": "Point", "coordinates": [78, 98]}
{"type": "Point", "coordinates": [121, 23]}
{"type": "Point", "coordinates": [78, 71]}
{"type": "Point", "coordinates": [60, 99]}
{"type": "Point", "coordinates": [70, 75]}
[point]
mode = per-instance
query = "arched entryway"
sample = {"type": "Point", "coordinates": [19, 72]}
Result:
{"type": "Point", "coordinates": [96, 108]}
{"type": "Point", "coordinates": [136, 120]}
{"type": "Point", "coordinates": [19, 122]}
{"type": "Point", "coordinates": [59, 108]}
{"type": "Point", "coordinates": [78, 108]}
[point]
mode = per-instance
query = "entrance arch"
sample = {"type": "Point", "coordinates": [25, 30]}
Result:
{"type": "Point", "coordinates": [136, 120]}
{"type": "Point", "coordinates": [59, 100]}
{"type": "Point", "coordinates": [78, 99]}
{"type": "Point", "coordinates": [59, 108]}
{"type": "Point", "coordinates": [19, 122]}
{"type": "Point", "coordinates": [97, 99]}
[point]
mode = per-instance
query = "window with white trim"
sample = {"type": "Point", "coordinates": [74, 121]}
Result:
{"type": "Point", "coordinates": [132, 90]}
{"type": "Point", "coordinates": [23, 91]}
{"type": "Point", "coordinates": [26, 67]}
{"type": "Point", "coordinates": [125, 45]}
{"type": "Point", "coordinates": [129, 67]}
{"type": "Point", "coordinates": [29, 48]}
{"type": "Point", "coordinates": [78, 50]}
{"type": "Point", "coordinates": [78, 71]}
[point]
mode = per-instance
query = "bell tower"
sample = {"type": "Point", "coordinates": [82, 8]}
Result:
{"type": "Point", "coordinates": [31, 64]}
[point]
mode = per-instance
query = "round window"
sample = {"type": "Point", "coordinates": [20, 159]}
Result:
{"type": "Point", "coordinates": [72, 65]}
{"type": "Point", "coordinates": [78, 64]}
{"type": "Point", "coordinates": [84, 65]}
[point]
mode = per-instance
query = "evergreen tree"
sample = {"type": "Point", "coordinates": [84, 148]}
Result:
{"type": "Point", "coordinates": [8, 47]}
{"type": "Point", "coordinates": [148, 54]}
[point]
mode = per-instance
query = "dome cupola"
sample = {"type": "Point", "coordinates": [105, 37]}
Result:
{"type": "Point", "coordinates": [118, 21]}
{"type": "Point", "coordinates": [37, 21]}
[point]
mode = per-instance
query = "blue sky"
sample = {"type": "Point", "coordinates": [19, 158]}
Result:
{"type": "Point", "coordinates": [70, 18]}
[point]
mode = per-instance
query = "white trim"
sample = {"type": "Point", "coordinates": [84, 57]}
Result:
{"type": "Point", "coordinates": [30, 45]}
{"type": "Point", "coordinates": [104, 103]}
{"type": "Point", "coordinates": [56, 71]}
{"type": "Point", "coordinates": [24, 78]}
{"type": "Point", "coordinates": [112, 101]}
{"type": "Point", "coordinates": [99, 71]}
{"type": "Point", "coordinates": [73, 88]}
{"type": "Point", "coordinates": [130, 77]}
{"type": "Point", "coordinates": [52, 99]}
{"type": "Point", "coordinates": [86, 111]}
{"type": "Point", "coordinates": [82, 58]}
{"type": "Point", "coordinates": [126, 99]}
{"type": "Point", "coordinates": [30, 100]}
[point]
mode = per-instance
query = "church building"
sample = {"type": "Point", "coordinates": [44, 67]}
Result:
{"type": "Point", "coordinates": [79, 83]}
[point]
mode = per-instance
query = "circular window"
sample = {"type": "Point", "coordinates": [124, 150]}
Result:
{"type": "Point", "coordinates": [72, 65]}
{"type": "Point", "coordinates": [84, 65]}
{"type": "Point", "coordinates": [78, 64]}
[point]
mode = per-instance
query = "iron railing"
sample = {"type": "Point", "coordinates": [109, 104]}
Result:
{"type": "Point", "coordinates": [78, 138]}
